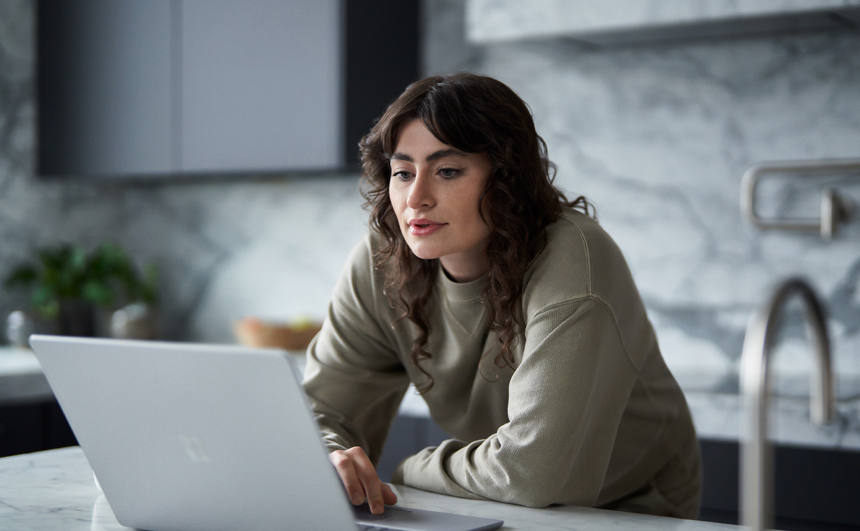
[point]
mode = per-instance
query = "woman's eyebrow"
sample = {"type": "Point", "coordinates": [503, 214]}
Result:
{"type": "Point", "coordinates": [442, 153]}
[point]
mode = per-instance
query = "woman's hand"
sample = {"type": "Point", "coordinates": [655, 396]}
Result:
{"type": "Point", "coordinates": [360, 480]}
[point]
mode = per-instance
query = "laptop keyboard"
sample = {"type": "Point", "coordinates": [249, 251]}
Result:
{"type": "Point", "coordinates": [362, 512]}
{"type": "Point", "coordinates": [399, 518]}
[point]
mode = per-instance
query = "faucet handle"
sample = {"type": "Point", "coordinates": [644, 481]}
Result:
{"type": "Point", "coordinates": [835, 209]}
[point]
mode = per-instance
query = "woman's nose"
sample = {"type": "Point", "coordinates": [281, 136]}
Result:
{"type": "Point", "coordinates": [420, 192]}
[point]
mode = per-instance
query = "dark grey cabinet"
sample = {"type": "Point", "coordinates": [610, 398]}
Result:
{"type": "Point", "coordinates": [31, 427]}
{"type": "Point", "coordinates": [260, 85]}
{"type": "Point", "coordinates": [185, 87]}
{"type": "Point", "coordinates": [105, 89]}
{"type": "Point", "coordinates": [813, 488]}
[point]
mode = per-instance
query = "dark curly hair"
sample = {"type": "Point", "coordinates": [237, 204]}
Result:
{"type": "Point", "coordinates": [474, 114]}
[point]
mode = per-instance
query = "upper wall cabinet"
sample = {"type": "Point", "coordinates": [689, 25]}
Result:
{"type": "Point", "coordinates": [260, 85]}
{"type": "Point", "coordinates": [105, 92]}
{"type": "Point", "coordinates": [183, 87]}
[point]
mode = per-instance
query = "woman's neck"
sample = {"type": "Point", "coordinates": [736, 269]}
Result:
{"type": "Point", "coordinates": [460, 268]}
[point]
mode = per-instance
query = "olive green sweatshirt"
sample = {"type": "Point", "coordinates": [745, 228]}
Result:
{"type": "Point", "coordinates": [590, 416]}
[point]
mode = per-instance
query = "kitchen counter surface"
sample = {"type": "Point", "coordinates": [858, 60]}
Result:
{"type": "Point", "coordinates": [21, 378]}
{"type": "Point", "coordinates": [55, 490]}
{"type": "Point", "coordinates": [716, 415]}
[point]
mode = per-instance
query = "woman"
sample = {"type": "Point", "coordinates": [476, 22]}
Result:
{"type": "Point", "coordinates": [510, 309]}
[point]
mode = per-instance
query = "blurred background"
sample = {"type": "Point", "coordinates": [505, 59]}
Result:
{"type": "Point", "coordinates": [228, 188]}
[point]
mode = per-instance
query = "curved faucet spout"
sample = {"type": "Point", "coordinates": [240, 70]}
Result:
{"type": "Point", "coordinates": [756, 459]}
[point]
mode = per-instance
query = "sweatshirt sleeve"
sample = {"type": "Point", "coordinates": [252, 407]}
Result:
{"type": "Point", "coordinates": [353, 378]}
{"type": "Point", "coordinates": [566, 401]}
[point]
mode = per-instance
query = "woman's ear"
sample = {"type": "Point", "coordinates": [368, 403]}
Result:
{"type": "Point", "coordinates": [484, 204]}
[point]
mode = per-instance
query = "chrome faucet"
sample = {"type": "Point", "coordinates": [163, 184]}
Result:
{"type": "Point", "coordinates": [756, 459]}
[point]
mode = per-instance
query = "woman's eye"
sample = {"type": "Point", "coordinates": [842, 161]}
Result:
{"type": "Point", "coordinates": [403, 175]}
{"type": "Point", "coordinates": [449, 173]}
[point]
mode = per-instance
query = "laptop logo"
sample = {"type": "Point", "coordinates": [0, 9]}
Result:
{"type": "Point", "coordinates": [194, 449]}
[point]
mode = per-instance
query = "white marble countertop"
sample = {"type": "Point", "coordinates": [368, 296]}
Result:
{"type": "Point", "coordinates": [720, 416]}
{"type": "Point", "coordinates": [21, 378]}
{"type": "Point", "coordinates": [55, 490]}
{"type": "Point", "coordinates": [716, 415]}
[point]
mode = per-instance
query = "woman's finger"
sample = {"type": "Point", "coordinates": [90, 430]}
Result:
{"type": "Point", "coordinates": [343, 464]}
{"type": "Point", "coordinates": [388, 495]}
{"type": "Point", "coordinates": [369, 479]}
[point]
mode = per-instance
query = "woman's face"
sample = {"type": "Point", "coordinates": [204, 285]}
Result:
{"type": "Point", "coordinates": [435, 190]}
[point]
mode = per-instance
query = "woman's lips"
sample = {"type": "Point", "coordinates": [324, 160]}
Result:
{"type": "Point", "coordinates": [422, 227]}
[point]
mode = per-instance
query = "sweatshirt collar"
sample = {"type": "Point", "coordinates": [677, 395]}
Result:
{"type": "Point", "coordinates": [460, 291]}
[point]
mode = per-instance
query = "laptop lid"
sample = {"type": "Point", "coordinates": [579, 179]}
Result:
{"type": "Point", "coordinates": [188, 436]}
{"type": "Point", "coordinates": [193, 436]}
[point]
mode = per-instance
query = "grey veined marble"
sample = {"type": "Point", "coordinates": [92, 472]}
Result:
{"type": "Point", "coordinates": [55, 490]}
{"type": "Point", "coordinates": [658, 138]}
{"type": "Point", "coordinates": [494, 20]}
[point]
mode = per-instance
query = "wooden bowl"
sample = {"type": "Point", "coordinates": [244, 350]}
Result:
{"type": "Point", "coordinates": [254, 332]}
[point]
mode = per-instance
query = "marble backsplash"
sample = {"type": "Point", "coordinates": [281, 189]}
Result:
{"type": "Point", "coordinates": [656, 136]}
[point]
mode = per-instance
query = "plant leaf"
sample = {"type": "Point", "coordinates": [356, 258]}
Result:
{"type": "Point", "coordinates": [23, 275]}
{"type": "Point", "coordinates": [97, 293]}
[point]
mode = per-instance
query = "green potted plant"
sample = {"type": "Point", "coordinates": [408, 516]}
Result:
{"type": "Point", "coordinates": [67, 285]}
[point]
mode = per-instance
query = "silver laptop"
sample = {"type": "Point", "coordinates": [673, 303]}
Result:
{"type": "Point", "coordinates": [188, 436]}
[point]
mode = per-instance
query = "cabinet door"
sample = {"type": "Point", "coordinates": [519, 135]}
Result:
{"type": "Point", "coordinates": [261, 85]}
{"type": "Point", "coordinates": [20, 429]}
{"type": "Point", "coordinates": [105, 87]}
